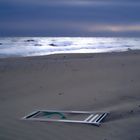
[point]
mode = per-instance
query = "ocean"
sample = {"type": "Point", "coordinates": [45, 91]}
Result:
{"type": "Point", "coordinates": [37, 46]}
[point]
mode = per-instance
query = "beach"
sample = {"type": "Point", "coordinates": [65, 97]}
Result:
{"type": "Point", "coordinates": [85, 82]}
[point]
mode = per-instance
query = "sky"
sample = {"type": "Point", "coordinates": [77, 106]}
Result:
{"type": "Point", "coordinates": [107, 18]}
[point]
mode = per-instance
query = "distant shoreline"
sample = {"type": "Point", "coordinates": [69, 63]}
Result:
{"type": "Point", "coordinates": [71, 55]}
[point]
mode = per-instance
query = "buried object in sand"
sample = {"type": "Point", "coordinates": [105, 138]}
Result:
{"type": "Point", "coordinates": [87, 117]}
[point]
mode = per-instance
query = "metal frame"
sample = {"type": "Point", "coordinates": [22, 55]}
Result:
{"type": "Point", "coordinates": [93, 117]}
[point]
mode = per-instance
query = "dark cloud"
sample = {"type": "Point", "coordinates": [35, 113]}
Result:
{"type": "Point", "coordinates": [69, 18]}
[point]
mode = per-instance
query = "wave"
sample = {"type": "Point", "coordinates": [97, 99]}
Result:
{"type": "Point", "coordinates": [35, 46]}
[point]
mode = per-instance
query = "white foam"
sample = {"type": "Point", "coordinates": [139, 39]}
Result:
{"type": "Point", "coordinates": [32, 46]}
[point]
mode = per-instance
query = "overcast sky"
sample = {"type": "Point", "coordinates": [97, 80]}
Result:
{"type": "Point", "coordinates": [70, 18]}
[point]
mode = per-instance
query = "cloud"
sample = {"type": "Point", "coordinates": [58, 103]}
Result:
{"type": "Point", "coordinates": [67, 17]}
{"type": "Point", "coordinates": [71, 2]}
{"type": "Point", "coordinates": [70, 28]}
{"type": "Point", "coordinates": [103, 14]}
{"type": "Point", "coordinates": [115, 28]}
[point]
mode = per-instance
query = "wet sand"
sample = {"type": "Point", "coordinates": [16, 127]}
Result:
{"type": "Point", "coordinates": [89, 82]}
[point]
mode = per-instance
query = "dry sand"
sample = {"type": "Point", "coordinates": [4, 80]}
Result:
{"type": "Point", "coordinates": [90, 82]}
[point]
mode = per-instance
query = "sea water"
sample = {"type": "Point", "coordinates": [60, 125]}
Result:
{"type": "Point", "coordinates": [37, 46]}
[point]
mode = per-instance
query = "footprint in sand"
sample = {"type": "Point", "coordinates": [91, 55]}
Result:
{"type": "Point", "coordinates": [61, 93]}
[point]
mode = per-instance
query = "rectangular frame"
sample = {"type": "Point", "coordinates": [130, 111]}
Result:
{"type": "Point", "coordinates": [92, 117]}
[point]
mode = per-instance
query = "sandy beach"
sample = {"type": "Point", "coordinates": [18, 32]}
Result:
{"type": "Point", "coordinates": [90, 82]}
